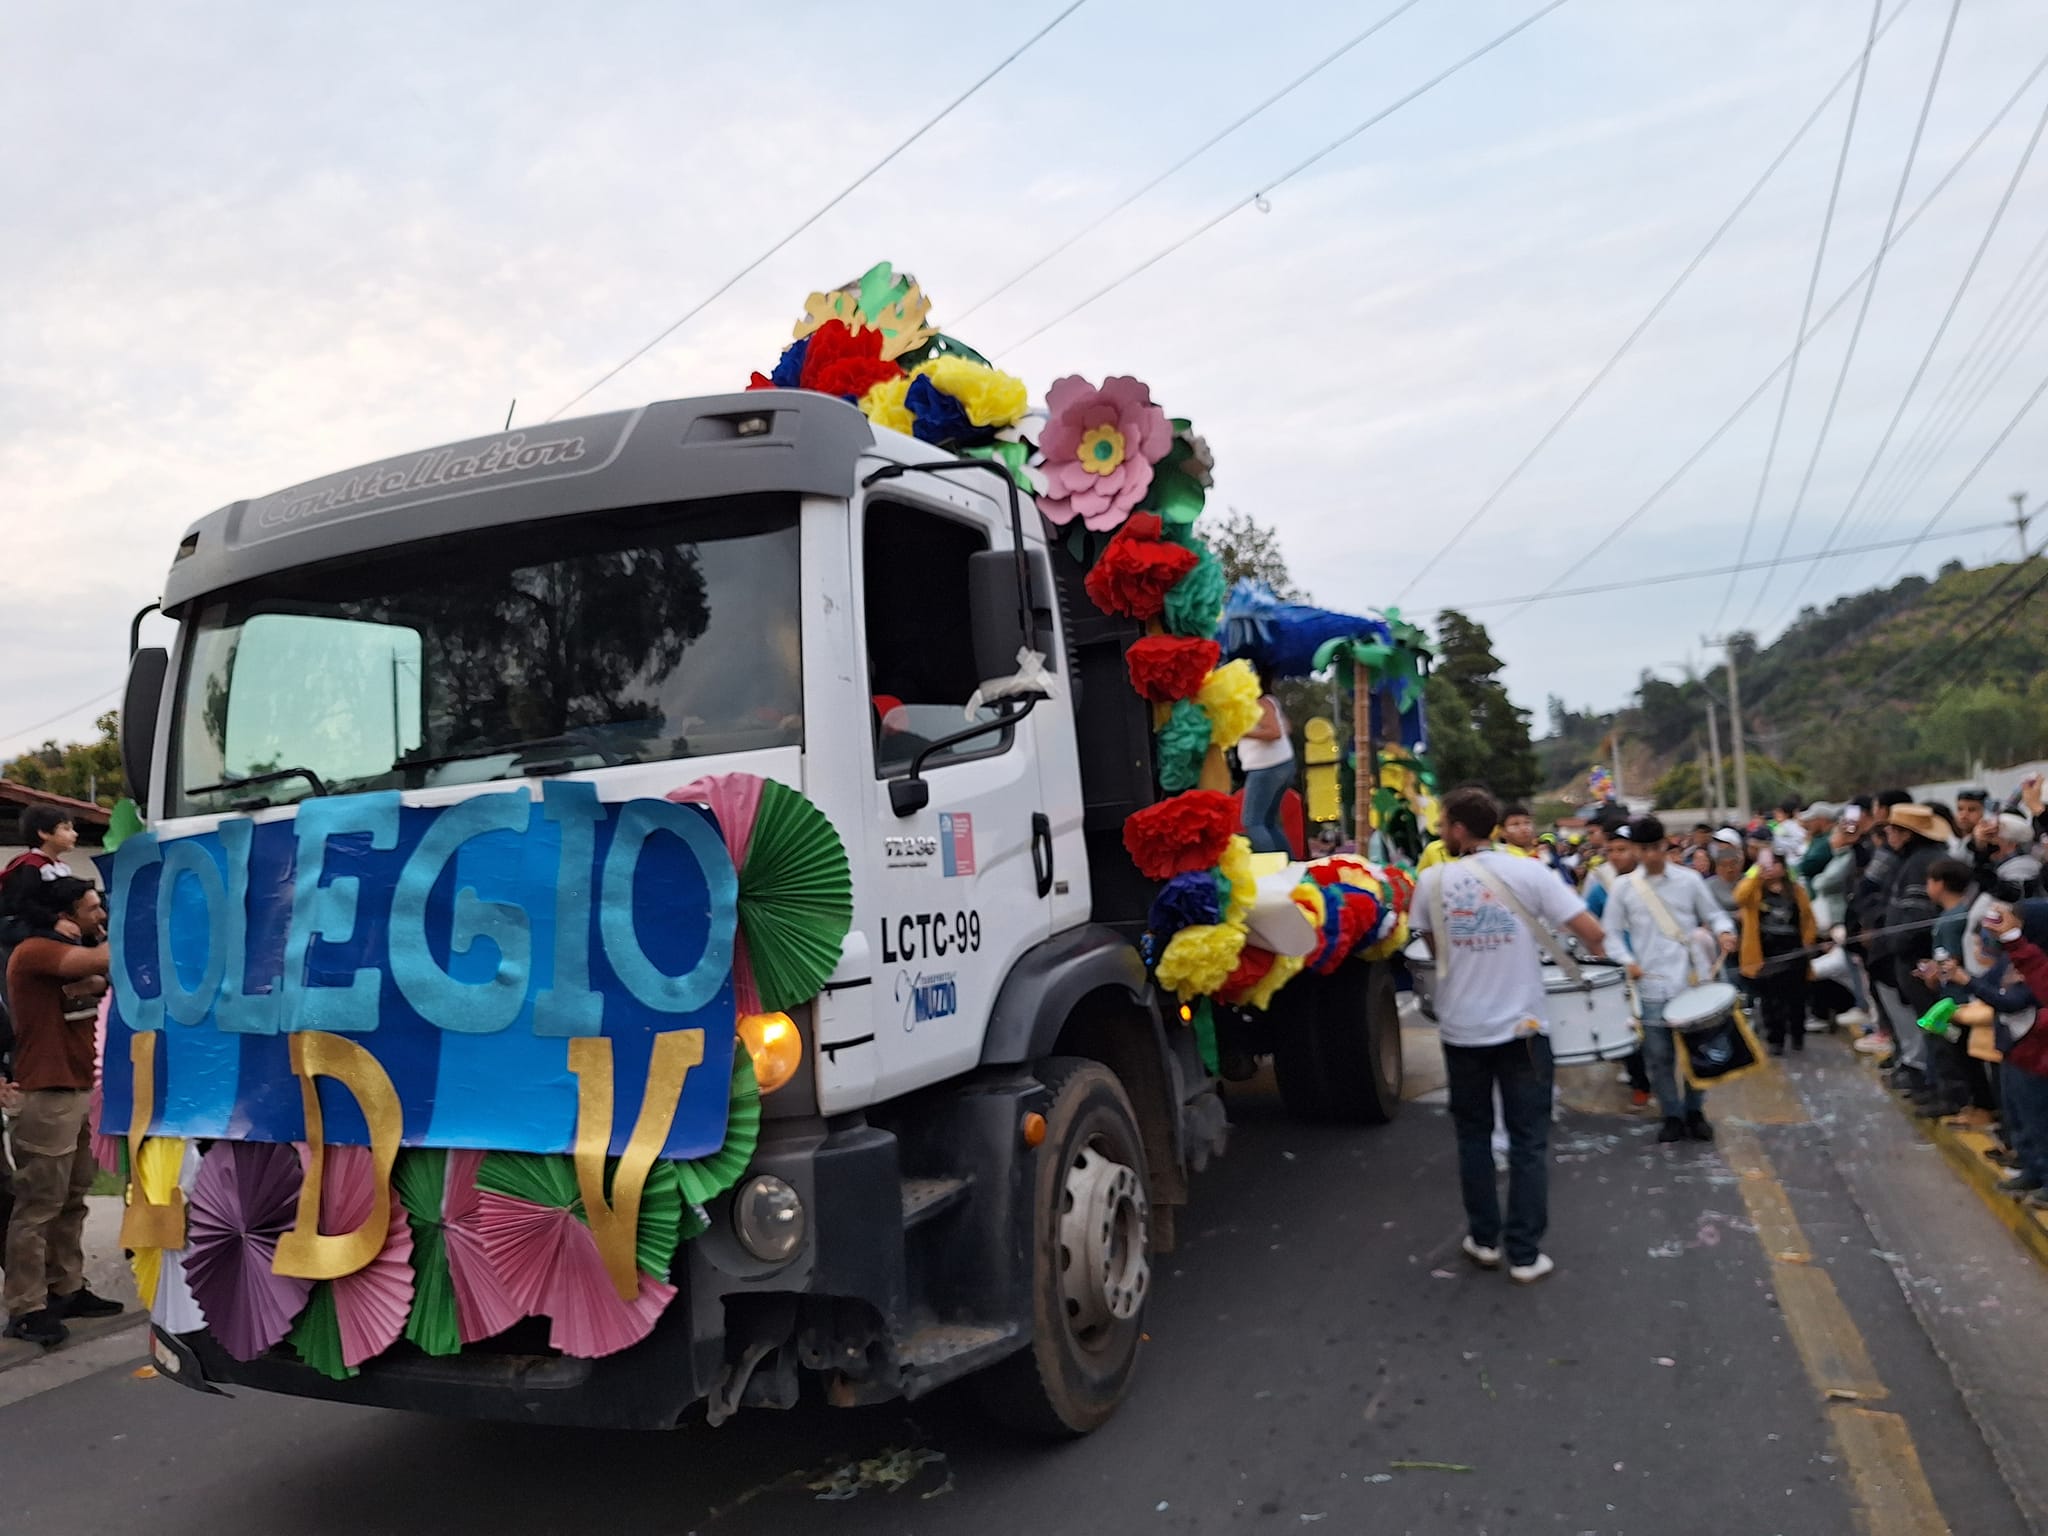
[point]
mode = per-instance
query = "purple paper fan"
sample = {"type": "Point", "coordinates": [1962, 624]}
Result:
{"type": "Point", "coordinates": [244, 1199]}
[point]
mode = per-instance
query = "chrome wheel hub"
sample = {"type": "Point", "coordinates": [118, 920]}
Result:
{"type": "Point", "coordinates": [1104, 1266]}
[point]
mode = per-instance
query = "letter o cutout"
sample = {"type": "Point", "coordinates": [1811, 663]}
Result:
{"type": "Point", "coordinates": [654, 987]}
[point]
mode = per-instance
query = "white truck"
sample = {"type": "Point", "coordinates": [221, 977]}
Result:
{"type": "Point", "coordinates": [996, 1116]}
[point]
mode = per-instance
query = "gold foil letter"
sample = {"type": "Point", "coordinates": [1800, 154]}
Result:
{"type": "Point", "coordinates": [145, 1224]}
{"type": "Point", "coordinates": [615, 1223]}
{"type": "Point", "coordinates": [306, 1252]}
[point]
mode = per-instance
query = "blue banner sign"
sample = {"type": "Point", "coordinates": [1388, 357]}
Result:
{"type": "Point", "coordinates": [463, 946]}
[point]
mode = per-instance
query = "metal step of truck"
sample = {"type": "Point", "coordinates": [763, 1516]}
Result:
{"type": "Point", "coordinates": [925, 1198]}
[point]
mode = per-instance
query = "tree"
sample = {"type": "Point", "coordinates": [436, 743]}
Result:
{"type": "Point", "coordinates": [84, 770]}
{"type": "Point", "coordinates": [1680, 786]}
{"type": "Point", "coordinates": [1247, 548]}
{"type": "Point", "coordinates": [1476, 731]}
{"type": "Point", "coordinates": [1985, 722]}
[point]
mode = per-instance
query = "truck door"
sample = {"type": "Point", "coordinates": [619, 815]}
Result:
{"type": "Point", "coordinates": [965, 885]}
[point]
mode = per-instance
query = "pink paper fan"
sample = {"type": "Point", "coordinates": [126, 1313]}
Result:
{"type": "Point", "coordinates": [549, 1263]}
{"type": "Point", "coordinates": [106, 1149]}
{"type": "Point", "coordinates": [735, 799]}
{"type": "Point", "coordinates": [244, 1198]}
{"type": "Point", "coordinates": [370, 1306]}
{"type": "Point", "coordinates": [483, 1307]}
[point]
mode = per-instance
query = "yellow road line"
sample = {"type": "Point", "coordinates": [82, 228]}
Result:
{"type": "Point", "coordinates": [1877, 1448]}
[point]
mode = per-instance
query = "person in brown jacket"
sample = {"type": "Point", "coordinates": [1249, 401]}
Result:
{"type": "Point", "coordinates": [1777, 931]}
{"type": "Point", "coordinates": [55, 977]}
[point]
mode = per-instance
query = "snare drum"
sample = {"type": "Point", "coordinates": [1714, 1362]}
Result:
{"type": "Point", "coordinates": [1701, 1007]}
{"type": "Point", "coordinates": [1422, 971]}
{"type": "Point", "coordinates": [1589, 1025]}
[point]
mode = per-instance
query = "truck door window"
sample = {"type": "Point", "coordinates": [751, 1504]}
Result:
{"type": "Point", "coordinates": [920, 639]}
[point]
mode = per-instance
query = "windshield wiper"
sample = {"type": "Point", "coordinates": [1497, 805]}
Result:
{"type": "Point", "coordinates": [515, 748]}
{"type": "Point", "coordinates": [274, 776]}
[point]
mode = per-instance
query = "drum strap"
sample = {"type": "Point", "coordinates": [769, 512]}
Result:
{"type": "Point", "coordinates": [1661, 916]}
{"type": "Point", "coordinates": [1538, 930]}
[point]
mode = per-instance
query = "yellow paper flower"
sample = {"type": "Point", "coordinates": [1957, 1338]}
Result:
{"type": "Point", "coordinates": [1392, 944]}
{"type": "Point", "coordinates": [1230, 694]}
{"type": "Point", "coordinates": [1102, 450]}
{"type": "Point", "coordinates": [1236, 867]}
{"type": "Point", "coordinates": [990, 397]}
{"type": "Point", "coordinates": [163, 1157]}
{"type": "Point", "coordinates": [1285, 969]}
{"type": "Point", "coordinates": [1199, 960]}
{"type": "Point", "coordinates": [1309, 897]}
{"type": "Point", "coordinates": [883, 404]}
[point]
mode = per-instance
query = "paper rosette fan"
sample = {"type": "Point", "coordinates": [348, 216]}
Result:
{"type": "Point", "coordinates": [703, 1179]}
{"type": "Point", "coordinates": [358, 1315]}
{"type": "Point", "coordinates": [547, 1259]}
{"type": "Point", "coordinates": [457, 1296]}
{"type": "Point", "coordinates": [167, 1163]}
{"type": "Point", "coordinates": [245, 1197]}
{"type": "Point", "coordinates": [107, 1150]}
{"type": "Point", "coordinates": [795, 888]}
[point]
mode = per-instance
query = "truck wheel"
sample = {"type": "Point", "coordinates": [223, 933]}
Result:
{"type": "Point", "coordinates": [1091, 1261]}
{"type": "Point", "coordinates": [1337, 1053]}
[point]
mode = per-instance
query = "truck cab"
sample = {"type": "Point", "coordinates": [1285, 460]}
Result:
{"type": "Point", "coordinates": [994, 1116]}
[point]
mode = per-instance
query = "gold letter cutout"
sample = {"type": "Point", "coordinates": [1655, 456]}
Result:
{"type": "Point", "coordinates": [615, 1223]}
{"type": "Point", "coordinates": [306, 1252]}
{"type": "Point", "coordinates": [143, 1223]}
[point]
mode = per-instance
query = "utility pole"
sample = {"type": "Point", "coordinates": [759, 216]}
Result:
{"type": "Point", "coordinates": [1614, 741]}
{"type": "Point", "coordinates": [1735, 732]}
{"type": "Point", "coordinates": [1714, 756]}
{"type": "Point", "coordinates": [2020, 518]}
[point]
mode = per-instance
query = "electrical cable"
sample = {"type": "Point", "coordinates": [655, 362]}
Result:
{"type": "Point", "coordinates": [1273, 186]}
{"type": "Point", "coordinates": [1912, 658]}
{"type": "Point", "coordinates": [1720, 570]}
{"type": "Point", "coordinates": [1891, 220]}
{"type": "Point", "coordinates": [1927, 357]}
{"type": "Point", "coordinates": [1905, 226]}
{"type": "Point", "coordinates": [1185, 160]}
{"type": "Point", "coordinates": [1656, 309]}
{"type": "Point", "coordinates": [1984, 458]}
{"type": "Point", "coordinates": [839, 197]}
{"type": "Point", "coordinates": [99, 698]}
{"type": "Point", "coordinates": [1820, 251]}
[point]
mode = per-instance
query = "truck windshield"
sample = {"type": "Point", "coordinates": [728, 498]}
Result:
{"type": "Point", "coordinates": [623, 637]}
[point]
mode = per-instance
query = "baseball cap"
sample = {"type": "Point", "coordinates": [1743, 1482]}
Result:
{"type": "Point", "coordinates": [1821, 810]}
{"type": "Point", "coordinates": [1730, 838]}
{"type": "Point", "coordinates": [1625, 833]}
{"type": "Point", "coordinates": [2013, 828]}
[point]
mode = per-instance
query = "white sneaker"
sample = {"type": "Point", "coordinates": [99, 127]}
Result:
{"type": "Point", "coordinates": [1872, 1045]}
{"type": "Point", "coordinates": [1854, 1018]}
{"type": "Point", "coordinates": [1485, 1258]}
{"type": "Point", "coordinates": [1529, 1274]}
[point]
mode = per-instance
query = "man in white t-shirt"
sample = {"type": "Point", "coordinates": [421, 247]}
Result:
{"type": "Point", "coordinates": [1492, 1018]}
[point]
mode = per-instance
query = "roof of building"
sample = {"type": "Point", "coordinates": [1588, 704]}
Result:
{"type": "Point", "coordinates": [82, 811]}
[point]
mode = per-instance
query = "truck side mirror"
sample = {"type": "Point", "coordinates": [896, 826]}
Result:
{"type": "Point", "coordinates": [140, 702]}
{"type": "Point", "coordinates": [992, 599]}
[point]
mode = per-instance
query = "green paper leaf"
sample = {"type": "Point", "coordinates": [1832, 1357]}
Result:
{"type": "Point", "coordinates": [1013, 456]}
{"type": "Point", "coordinates": [1182, 746]}
{"type": "Point", "coordinates": [317, 1335]}
{"type": "Point", "coordinates": [1077, 543]}
{"type": "Point", "coordinates": [1194, 608]}
{"type": "Point", "coordinates": [1174, 495]}
{"type": "Point", "coordinates": [879, 287]}
{"type": "Point", "coordinates": [1204, 1023]}
{"type": "Point", "coordinates": [124, 823]}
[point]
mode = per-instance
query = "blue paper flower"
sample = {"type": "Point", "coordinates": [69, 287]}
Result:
{"type": "Point", "coordinates": [789, 368]}
{"type": "Point", "coordinates": [941, 419]}
{"type": "Point", "coordinates": [1183, 902]}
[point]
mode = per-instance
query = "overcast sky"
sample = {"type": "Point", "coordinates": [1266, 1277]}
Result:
{"type": "Point", "coordinates": [250, 244]}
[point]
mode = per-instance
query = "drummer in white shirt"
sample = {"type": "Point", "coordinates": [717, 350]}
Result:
{"type": "Point", "coordinates": [1662, 966]}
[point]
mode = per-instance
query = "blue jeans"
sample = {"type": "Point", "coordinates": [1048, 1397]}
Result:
{"type": "Point", "coordinates": [1522, 1070]}
{"type": "Point", "coordinates": [2024, 1098]}
{"type": "Point", "coordinates": [1263, 788]}
{"type": "Point", "coordinates": [1660, 1055]}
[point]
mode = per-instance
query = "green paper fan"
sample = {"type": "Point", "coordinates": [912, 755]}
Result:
{"type": "Point", "coordinates": [795, 898]}
{"type": "Point", "coordinates": [701, 1180]}
{"type": "Point", "coordinates": [317, 1334]}
{"type": "Point", "coordinates": [421, 1179]}
{"type": "Point", "coordinates": [551, 1181]}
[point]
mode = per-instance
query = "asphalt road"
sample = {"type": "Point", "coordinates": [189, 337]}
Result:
{"type": "Point", "coordinates": [1315, 1330]}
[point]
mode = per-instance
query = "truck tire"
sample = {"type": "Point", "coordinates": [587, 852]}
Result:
{"type": "Point", "coordinates": [1090, 1260]}
{"type": "Point", "coordinates": [1337, 1053]}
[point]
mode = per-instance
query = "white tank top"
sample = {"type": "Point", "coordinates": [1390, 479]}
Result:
{"type": "Point", "coordinates": [1253, 755]}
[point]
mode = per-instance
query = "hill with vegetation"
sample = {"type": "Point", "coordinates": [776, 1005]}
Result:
{"type": "Point", "coordinates": [1922, 679]}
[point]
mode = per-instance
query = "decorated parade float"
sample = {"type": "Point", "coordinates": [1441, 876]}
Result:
{"type": "Point", "coordinates": [635, 1030]}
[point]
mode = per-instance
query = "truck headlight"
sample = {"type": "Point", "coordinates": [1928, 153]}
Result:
{"type": "Point", "coordinates": [776, 1045]}
{"type": "Point", "coordinates": [768, 1218]}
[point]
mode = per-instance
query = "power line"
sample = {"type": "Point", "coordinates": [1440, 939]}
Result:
{"type": "Point", "coordinates": [1186, 160]}
{"type": "Point", "coordinates": [1905, 226]}
{"type": "Point", "coordinates": [2004, 615]}
{"type": "Point", "coordinates": [1927, 357]}
{"type": "Point", "coordinates": [839, 197]}
{"type": "Point", "coordinates": [1984, 458]}
{"type": "Point", "coordinates": [1656, 309]}
{"type": "Point", "coordinates": [1820, 252]}
{"type": "Point", "coordinates": [62, 714]}
{"type": "Point", "coordinates": [1827, 420]}
{"type": "Point", "coordinates": [1273, 186]}
{"type": "Point", "coordinates": [1669, 577]}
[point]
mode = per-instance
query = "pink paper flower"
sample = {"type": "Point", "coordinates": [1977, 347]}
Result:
{"type": "Point", "coordinates": [1100, 446]}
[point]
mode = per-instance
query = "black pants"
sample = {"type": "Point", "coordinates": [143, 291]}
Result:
{"type": "Point", "coordinates": [1782, 1001]}
{"type": "Point", "coordinates": [1522, 1070]}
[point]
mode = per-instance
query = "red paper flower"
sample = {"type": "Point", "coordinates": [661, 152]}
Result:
{"type": "Point", "coordinates": [1188, 832]}
{"type": "Point", "coordinates": [1252, 965]}
{"type": "Point", "coordinates": [1167, 667]}
{"type": "Point", "coordinates": [1138, 569]}
{"type": "Point", "coordinates": [845, 362]}
{"type": "Point", "coordinates": [761, 381]}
